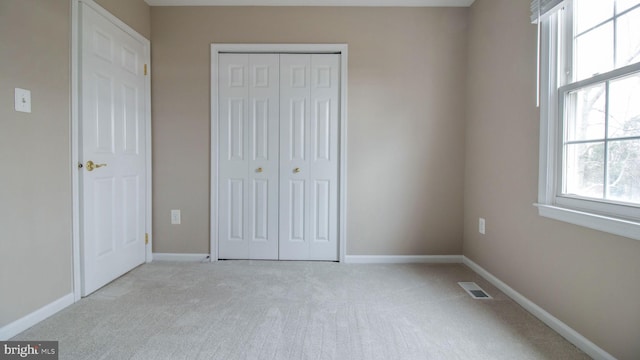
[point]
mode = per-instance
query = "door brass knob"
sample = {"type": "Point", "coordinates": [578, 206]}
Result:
{"type": "Point", "coordinates": [91, 165]}
{"type": "Point", "coordinates": [259, 169]}
{"type": "Point", "coordinates": [296, 170]}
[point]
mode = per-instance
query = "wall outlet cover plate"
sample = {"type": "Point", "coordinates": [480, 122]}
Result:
{"type": "Point", "coordinates": [23, 100]}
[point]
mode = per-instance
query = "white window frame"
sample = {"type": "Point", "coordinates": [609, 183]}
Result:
{"type": "Point", "coordinates": [607, 216]}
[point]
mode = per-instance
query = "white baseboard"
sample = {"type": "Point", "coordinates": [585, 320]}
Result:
{"type": "Point", "coordinates": [12, 329]}
{"type": "Point", "coordinates": [561, 328]}
{"type": "Point", "coordinates": [403, 259]}
{"type": "Point", "coordinates": [180, 257]}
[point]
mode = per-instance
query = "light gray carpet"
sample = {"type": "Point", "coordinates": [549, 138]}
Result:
{"type": "Point", "coordinates": [298, 310]}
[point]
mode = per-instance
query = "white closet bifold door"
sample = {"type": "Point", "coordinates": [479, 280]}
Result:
{"type": "Point", "coordinates": [309, 93]}
{"type": "Point", "coordinates": [248, 164]}
{"type": "Point", "coordinates": [278, 156]}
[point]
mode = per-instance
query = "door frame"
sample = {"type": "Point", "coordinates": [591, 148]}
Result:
{"type": "Point", "coordinates": [341, 49]}
{"type": "Point", "coordinates": [76, 135]}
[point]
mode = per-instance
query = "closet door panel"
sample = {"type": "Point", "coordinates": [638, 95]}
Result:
{"type": "Point", "coordinates": [295, 93]}
{"type": "Point", "coordinates": [233, 101]}
{"type": "Point", "coordinates": [309, 156]}
{"type": "Point", "coordinates": [263, 139]}
{"type": "Point", "coordinates": [248, 111]}
{"type": "Point", "coordinates": [323, 159]}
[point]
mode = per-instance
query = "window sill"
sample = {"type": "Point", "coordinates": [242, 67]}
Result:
{"type": "Point", "coordinates": [607, 224]}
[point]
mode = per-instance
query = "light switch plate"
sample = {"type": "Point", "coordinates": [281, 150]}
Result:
{"type": "Point", "coordinates": [175, 217]}
{"type": "Point", "coordinates": [23, 100]}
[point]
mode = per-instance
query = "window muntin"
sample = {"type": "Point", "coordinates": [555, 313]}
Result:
{"type": "Point", "coordinates": [624, 107]}
{"type": "Point", "coordinates": [599, 106]}
{"type": "Point", "coordinates": [601, 140]}
{"type": "Point", "coordinates": [605, 36]}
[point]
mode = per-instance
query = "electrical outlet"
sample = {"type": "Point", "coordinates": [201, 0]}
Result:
{"type": "Point", "coordinates": [175, 217]}
{"type": "Point", "coordinates": [481, 225]}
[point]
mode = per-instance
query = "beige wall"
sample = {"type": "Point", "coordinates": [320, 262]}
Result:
{"type": "Point", "coordinates": [35, 177]}
{"type": "Point", "coordinates": [407, 81]}
{"type": "Point", "coordinates": [35, 180]}
{"type": "Point", "coordinates": [587, 279]}
{"type": "Point", "coordinates": [135, 13]}
{"type": "Point", "coordinates": [406, 118]}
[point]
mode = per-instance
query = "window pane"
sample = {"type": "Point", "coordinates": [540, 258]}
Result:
{"type": "Point", "coordinates": [589, 13]}
{"type": "Point", "coordinates": [624, 171]}
{"type": "Point", "coordinates": [584, 166]}
{"type": "Point", "coordinates": [585, 114]}
{"type": "Point", "coordinates": [594, 52]}
{"type": "Point", "coordinates": [624, 107]}
{"type": "Point", "coordinates": [622, 5]}
{"type": "Point", "coordinates": [628, 39]}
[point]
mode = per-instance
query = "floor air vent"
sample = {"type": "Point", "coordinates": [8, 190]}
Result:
{"type": "Point", "coordinates": [474, 290]}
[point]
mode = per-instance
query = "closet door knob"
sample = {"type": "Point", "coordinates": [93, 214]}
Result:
{"type": "Point", "coordinates": [296, 170]}
{"type": "Point", "coordinates": [259, 169]}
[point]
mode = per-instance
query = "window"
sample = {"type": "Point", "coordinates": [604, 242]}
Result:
{"type": "Point", "coordinates": [590, 113]}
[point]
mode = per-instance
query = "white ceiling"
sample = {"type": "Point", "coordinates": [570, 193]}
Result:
{"type": "Point", "coordinates": [417, 3]}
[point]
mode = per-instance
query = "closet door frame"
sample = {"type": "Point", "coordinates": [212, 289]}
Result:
{"type": "Point", "coordinates": [341, 49]}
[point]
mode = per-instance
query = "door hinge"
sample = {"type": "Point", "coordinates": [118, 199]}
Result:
{"type": "Point", "coordinates": [146, 238]}
{"type": "Point", "coordinates": [145, 69]}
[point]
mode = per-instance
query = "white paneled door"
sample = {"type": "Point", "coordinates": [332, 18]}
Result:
{"type": "Point", "coordinates": [278, 162]}
{"type": "Point", "coordinates": [112, 151]}
{"type": "Point", "coordinates": [308, 156]}
{"type": "Point", "coordinates": [248, 102]}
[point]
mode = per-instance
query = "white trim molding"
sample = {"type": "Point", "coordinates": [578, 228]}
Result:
{"type": "Point", "coordinates": [626, 228]}
{"type": "Point", "coordinates": [75, 132]}
{"type": "Point", "coordinates": [14, 328]}
{"type": "Point", "coordinates": [341, 49]}
{"type": "Point", "coordinates": [561, 328]}
{"type": "Point", "coordinates": [403, 259]}
{"type": "Point", "coordinates": [180, 257]}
